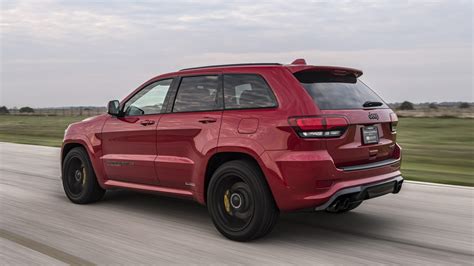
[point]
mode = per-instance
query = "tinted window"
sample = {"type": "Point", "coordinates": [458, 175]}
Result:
{"type": "Point", "coordinates": [149, 100]}
{"type": "Point", "coordinates": [247, 91]}
{"type": "Point", "coordinates": [337, 92]}
{"type": "Point", "coordinates": [197, 94]}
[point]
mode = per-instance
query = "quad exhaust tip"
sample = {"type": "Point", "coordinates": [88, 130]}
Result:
{"type": "Point", "coordinates": [343, 202]}
{"type": "Point", "coordinates": [398, 187]}
{"type": "Point", "coordinates": [339, 204]}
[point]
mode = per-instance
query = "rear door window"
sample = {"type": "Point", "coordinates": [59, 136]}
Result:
{"type": "Point", "coordinates": [333, 92]}
{"type": "Point", "coordinates": [198, 93]}
{"type": "Point", "coordinates": [244, 91]}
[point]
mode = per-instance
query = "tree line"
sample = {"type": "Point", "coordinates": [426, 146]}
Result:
{"type": "Point", "coordinates": [406, 105]}
{"type": "Point", "coordinates": [54, 111]}
{"type": "Point", "coordinates": [24, 110]}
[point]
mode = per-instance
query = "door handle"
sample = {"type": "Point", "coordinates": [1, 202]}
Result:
{"type": "Point", "coordinates": [207, 120]}
{"type": "Point", "coordinates": [147, 122]}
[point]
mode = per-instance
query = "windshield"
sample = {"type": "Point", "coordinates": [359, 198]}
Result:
{"type": "Point", "coordinates": [336, 92]}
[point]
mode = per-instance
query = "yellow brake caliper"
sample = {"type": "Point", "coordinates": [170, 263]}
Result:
{"type": "Point", "coordinates": [227, 202]}
{"type": "Point", "coordinates": [83, 176]}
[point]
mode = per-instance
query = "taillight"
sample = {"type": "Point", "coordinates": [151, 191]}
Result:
{"type": "Point", "coordinates": [319, 127]}
{"type": "Point", "coordinates": [393, 122]}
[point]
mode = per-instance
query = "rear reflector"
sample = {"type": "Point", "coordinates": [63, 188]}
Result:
{"type": "Point", "coordinates": [319, 127]}
{"type": "Point", "coordinates": [324, 183]}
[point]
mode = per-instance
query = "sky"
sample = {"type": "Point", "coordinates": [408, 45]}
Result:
{"type": "Point", "coordinates": [78, 53]}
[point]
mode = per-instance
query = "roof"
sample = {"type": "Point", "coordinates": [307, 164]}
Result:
{"type": "Point", "coordinates": [231, 65]}
{"type": "Point", "coordinates": [297, 65]}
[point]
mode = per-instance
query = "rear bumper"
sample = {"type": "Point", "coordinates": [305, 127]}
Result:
{"type": "Point", "coordinates": [364, 192]}
{"type": "Point", "coordinates": [370, 165]}
{"type": "Point", "coordinates": [309, 179]}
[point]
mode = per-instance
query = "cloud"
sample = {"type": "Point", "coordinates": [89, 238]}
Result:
{"type": "Point", "coordinates": [409, 49]}
{"type": "Point", "coordinates": [50, 21]}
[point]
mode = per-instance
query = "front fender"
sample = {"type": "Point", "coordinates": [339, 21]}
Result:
{"type": "Point", "coordinates": [93, 146]}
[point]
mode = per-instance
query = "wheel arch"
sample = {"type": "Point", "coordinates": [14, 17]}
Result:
{"type": "Point", "coordinates": [67, 147]}
{"type": "Point", "coordinates": [93, 154]}
{"type": "Point", "coordinates": [222, 157]}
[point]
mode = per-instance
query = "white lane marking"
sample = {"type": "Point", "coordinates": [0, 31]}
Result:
{"type": "Point", "coordinates": [437, 184]}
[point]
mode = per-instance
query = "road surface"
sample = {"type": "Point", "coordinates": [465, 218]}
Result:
{"type": "Point", "coordinates": [424, 224]}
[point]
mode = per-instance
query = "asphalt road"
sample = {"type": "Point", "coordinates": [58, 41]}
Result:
{"type": "Point", "coordinates": [424, 224]}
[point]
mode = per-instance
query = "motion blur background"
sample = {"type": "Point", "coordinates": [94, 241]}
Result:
{"type": "Point", "coordinates": [63, 60]}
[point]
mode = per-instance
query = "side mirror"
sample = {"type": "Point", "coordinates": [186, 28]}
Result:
{"type": "Point", "coordinates": [113, 108]}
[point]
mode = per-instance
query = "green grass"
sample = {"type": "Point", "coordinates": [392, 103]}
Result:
{"type": "Point", "coordinates": [38, 130]}
{"type": "Point", "coordinates": [437, 150]}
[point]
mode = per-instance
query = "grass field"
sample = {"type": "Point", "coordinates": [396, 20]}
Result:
{"type": "Point", "coordinates": [38, 130]}
{"type": "Point", "coordinates": [438, 150]}
{"type": "Point", "coordinates": [434, 149]}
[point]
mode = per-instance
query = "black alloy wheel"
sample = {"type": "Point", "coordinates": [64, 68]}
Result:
{"type": "Point", "coordinates": [240, 202]}
{"type": "Point", "coordinates": [79, 180]}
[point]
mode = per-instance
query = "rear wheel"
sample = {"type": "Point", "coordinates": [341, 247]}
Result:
{"type": "Point", "coordinates": [79, 180]}
{"type": "Point", "coordinates": [240, 202]}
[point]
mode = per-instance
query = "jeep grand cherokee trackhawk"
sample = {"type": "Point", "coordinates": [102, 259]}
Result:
{"type": "Point", "coordinates": [247, 140]}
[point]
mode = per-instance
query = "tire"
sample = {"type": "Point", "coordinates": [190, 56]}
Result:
{"type": "Point", "coordinates": [350, 207]}
{"type": "Point", "coordinates": [78, 177]}
{"type": "Point", "coordinates": [240, 203]}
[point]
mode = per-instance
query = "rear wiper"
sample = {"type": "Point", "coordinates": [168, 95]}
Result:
{"type": "Point", "coordinates": [372, 104]}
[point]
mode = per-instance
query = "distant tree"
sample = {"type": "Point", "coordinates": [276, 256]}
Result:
{"type": "Point", "coordinates": [406, 105]}
{"type": "Point", "coordinates": [26, 109]}
{"type": "Point", "coordinates": [464, 105]}
{"type": "Point", "coordinates": [4, 110]}
{"type": "Point", "coordinates": [433, 106]}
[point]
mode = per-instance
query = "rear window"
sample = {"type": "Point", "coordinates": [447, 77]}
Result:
{"type": "Point", "coordinates": [333, 92]}
{"type": "Point", "coordinates": [243, 91]}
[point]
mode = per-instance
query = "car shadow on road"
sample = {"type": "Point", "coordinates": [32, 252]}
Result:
{"type": "Point", "coordinates": [318, 226]}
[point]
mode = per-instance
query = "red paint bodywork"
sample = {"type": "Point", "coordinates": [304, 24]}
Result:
{"type": "Point", "coordinates": [171, 156]}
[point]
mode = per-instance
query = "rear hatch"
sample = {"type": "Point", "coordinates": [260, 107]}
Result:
{"type": "Point", "coordinates": [368, 133]}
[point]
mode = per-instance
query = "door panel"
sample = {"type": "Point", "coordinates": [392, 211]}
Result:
{"type": "Point", "coordinates": [190, 131]}
{"type": "Point", "coordinates": [129, 146]}
{"type": "Point", "coordinates": [129, 141]}
{"type": "Point", "coordinates": [183, 143]}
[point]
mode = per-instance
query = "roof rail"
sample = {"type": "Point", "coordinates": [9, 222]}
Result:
{"type": "Point", "coordinates": [229, 65]}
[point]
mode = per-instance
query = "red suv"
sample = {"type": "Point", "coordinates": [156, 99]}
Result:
{"type": "Point", "coordinates": [247, 140]}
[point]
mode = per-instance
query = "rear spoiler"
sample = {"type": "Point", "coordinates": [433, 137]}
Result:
{"type": "Point", "coordinates": [334, 69]}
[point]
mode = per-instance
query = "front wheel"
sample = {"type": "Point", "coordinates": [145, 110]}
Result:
{"type": "Point", "coordinates": [79, 180]}
{"type": "Point", "coordinates": [240, 202]}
